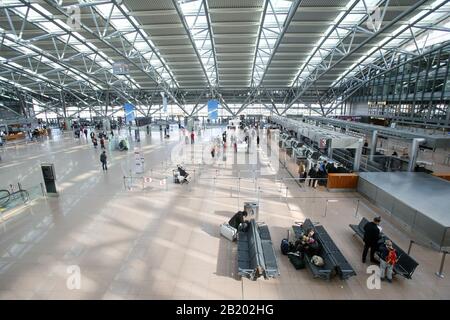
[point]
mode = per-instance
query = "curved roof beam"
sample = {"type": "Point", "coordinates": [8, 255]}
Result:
{"type": "Point", "coordinates": [266, 49]}
{"type": "Point", "coordinates": [196, 22]}
{"type": "Point", "coordinates": [142, 64]}
{"type": "Point", "coordinates": [311, 75]}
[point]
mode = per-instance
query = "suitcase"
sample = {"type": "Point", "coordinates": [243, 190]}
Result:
{"type": "Point", "coordinates": [228, 231]}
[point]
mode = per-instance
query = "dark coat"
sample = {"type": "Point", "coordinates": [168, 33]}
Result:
{"type": "Point", "coordinates": [237, 219]}
{"type": "Point", "coordinates": [103, 157]}
{"type": "Point", "coordinates": [371, 234]}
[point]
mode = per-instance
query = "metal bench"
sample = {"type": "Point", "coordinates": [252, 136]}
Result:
{"type": "Point", "coordinates": [343, 268]}
{"type": "Point", "coordinates": [256, 256]}
{"type": "Point", "coordinates": [328, 270]}
{"type": "Point", "coordinates": [405, 266]}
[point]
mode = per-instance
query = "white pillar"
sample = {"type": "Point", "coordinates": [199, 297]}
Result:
{"type": "Point", "coordinates": [373, 144]}
{"type": "Point", "coordinates": [414, 151]}
{"type": "Point", "coordinates": [358, 153]}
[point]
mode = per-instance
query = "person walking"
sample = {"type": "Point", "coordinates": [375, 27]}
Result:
{"type": "Point", "coordinates": [257, 140]}
{"type": "Point", "coordinates": [388, 259]}
{"type": "Point", "coordinates": [192, 136]}
{"type": "Point", "coordinates": [371, 237]}
{"type": "Point", "coordinates": [94, 141]}
{"type": "Point", "coordinates": [102, 142]}
{"type": "Point", "coordinates": [103, 160]}
{"type": "Point", "coordinates": [85, 132]}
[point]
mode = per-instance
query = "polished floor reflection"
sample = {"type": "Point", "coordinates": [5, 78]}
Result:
{"type": "Point", "coordinates": [153, 239]}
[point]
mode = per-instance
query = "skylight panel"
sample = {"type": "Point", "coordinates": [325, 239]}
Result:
{"type": "Point", "coordinates": [351, 17]}
{"type": "Point", "coordinates": [273, 22]}
{"type": "Point", "coordinates": [194, 14]}
{"type": "Point", "coordinates": [122, 24]}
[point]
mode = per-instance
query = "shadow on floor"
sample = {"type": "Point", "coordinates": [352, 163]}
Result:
{"type": "Point", "coordinates": [227, 259]}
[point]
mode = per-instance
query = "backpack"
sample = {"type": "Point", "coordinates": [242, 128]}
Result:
{"type": "Point", "coordinates": [284, 246]}
{"type": "Point", "coordinates": [297, 259]}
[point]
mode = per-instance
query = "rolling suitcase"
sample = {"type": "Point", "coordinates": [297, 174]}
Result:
{"type": "Point", "coordinates": [228, 231]}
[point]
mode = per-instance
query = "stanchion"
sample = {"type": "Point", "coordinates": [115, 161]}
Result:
{"type": "Point", "coordinates": [326, 206]}
{"type": "Point", "coordinates": [357, 208]}
{"type": "Point", "coordinates": [42, 189]}
{"type": "Point", "coordinates": [258, 195]}
{"type": "Point", "coordinates": [439, 273]}
{"type": "Point", "coordinates": [239, 185]}
{"type": "Point", "coordinates": [410, 246]}
{"type": "Point", "coordinates": [285, 199]}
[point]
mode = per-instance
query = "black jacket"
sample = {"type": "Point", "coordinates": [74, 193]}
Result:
{"type": "Point", "coordinates": [103, 157]}
{"type": "Point", "coordinates": [371, 233]}
{"type": "Point", "coordinates": [312, 173]}
{"type": "Point", "coordinates": [237, 219]}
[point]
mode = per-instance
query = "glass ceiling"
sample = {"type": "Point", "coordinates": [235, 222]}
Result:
{"type": "Point", "coordinates": [195, 15]}
{"type": "Point", "coordinates": [275, 16]}
{"type": "Point", "coordinates": [355, 12]}
{"type": "Point", "coordinates": [141, 44]}
{"type": "Point", "coordinates": [90, 52]}
{"type": "Point", "coordinates": [404, 38]}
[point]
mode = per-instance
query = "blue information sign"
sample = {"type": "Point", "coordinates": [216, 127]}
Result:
{"type": "Point", "coordinates": [128, 109]}
{"type": "Point", "coordinates": [213, 109]}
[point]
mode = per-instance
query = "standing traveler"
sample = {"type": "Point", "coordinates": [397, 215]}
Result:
{"type": "Point", "coordinates": [103, 161]}
{"type": "Point", "coordinates": [85, 132]}
{"type": "Point", "coordinates": [312, 175]}
{"type": "Point", "coordinates": [192, 136]}
{"type": "Point", "coordinates": [388, 259]}
{"type": "Point", "coordinates": [94, 141]}
{"type": "Point", "coordinates": [371, 238]}
{"type": "Point", "coordinates": [301, 171]}
{"type": "Point", "coordinates": [102, 142]}
{"type": "Point", "coordinates": [257, 141]}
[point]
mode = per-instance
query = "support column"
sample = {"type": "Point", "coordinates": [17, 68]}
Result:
{"type": "Point", "coordinates": [373, 144]}
{"type": "Point", "coordinates": [414, 151]}
{"type": "Point", "coordinates": [330, 150]}
{"type": "Point", "coordinates": [358, 153]}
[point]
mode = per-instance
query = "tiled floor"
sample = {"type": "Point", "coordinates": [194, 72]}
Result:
{"type": "Point", "coordinates": [162, 241]}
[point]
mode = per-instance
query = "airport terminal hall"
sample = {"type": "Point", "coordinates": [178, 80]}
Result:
{"type": "Point", "coordinates": [225, 150]}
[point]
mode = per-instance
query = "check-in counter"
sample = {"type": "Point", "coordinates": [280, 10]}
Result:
{"type": "Point", "coordinates": [342, 181]}
{"type": "Point", "coordinates": [445, 176]}
{"type": "Point", "coordinates": [15, 136]}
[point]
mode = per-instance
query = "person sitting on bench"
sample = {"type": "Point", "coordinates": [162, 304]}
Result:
{"type": "Point", "coordinates": [182, 174]}
{"type": "Point", "coordinates": [308, 243]}
{"type": "Point", "coordinates": [388, 259]}
{"type": "Point", "coordinates": [238, 219]}
{"type": "Point", "coordinates": [371, 238]}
